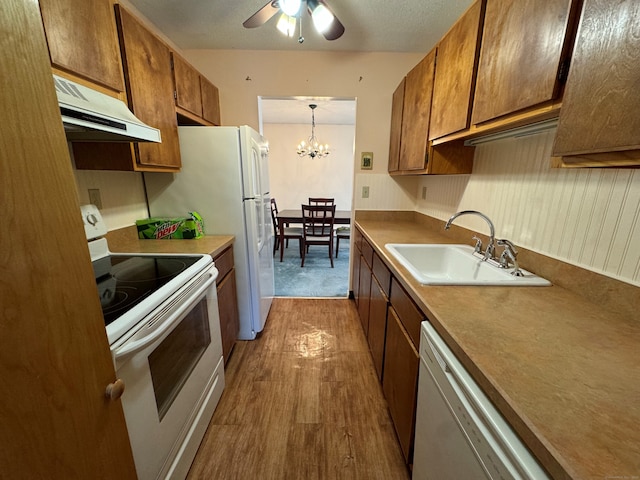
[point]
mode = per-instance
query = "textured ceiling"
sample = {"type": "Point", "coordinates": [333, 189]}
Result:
{"type": "Point", "coordinates": [329, 110]}
{"type": "Point", "coordinates": [370, 26]}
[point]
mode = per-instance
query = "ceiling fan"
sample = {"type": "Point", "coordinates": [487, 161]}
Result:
{"type": "Point", "coordinates": [323, 18]}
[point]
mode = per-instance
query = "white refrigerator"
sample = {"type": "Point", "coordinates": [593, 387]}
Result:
{"type": "Point", "coordinates": [225, 178]}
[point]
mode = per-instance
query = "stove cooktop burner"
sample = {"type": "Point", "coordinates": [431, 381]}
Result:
{"type": "Point", "coordinates": [133, 278]}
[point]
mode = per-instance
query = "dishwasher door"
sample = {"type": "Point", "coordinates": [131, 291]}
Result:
{"type": "Point", "coordinates": [459, 433]}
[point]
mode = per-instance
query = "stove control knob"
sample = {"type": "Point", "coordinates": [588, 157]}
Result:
{"type": "Point", "coordinates": [115, 390]}
{"type": "Point", "coordinates": [92, 219]}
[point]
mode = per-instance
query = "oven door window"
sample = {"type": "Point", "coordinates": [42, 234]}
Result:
{"type": "Point", "coordinates": [174, 359]}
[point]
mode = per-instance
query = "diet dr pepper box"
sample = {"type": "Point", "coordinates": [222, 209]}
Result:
{"type": "Point", "coordinates": [167, 228]}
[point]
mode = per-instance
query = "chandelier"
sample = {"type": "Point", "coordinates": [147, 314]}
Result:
{"type": "Point", "coordinates": [312, 147]}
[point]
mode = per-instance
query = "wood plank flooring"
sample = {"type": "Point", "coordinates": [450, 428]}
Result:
{"type": "Point", "coordinates": [302, 402]}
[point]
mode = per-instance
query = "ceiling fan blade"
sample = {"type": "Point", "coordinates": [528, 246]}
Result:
{"type": "Point", "coordinates": [336, 29]}
{"type": "Point", "coordinates": [262, 16]}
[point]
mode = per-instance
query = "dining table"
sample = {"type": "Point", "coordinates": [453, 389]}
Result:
{"type": "Point", "coordinates": [287, 216]}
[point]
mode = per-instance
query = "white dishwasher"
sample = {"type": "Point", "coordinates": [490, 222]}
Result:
{"type": "Point", "coordinates": [459, 433]}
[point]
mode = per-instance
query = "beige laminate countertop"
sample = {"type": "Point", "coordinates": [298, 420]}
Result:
{"type": "Point", "coordinates": [563, 371]}
{"type": "Point", "coordinates": [125, 240]}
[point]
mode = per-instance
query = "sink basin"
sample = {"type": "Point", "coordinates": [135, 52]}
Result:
{"type": "Point", "coordinates": [444, 264]}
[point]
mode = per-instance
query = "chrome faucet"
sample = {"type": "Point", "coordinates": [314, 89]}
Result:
{"type": "Point", "coordinates": [491, 248]}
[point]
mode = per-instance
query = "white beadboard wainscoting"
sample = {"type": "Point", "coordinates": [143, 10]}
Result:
{"type": "Point", "coordinates": [385, 192]}
{"type": "Point", "coordinates": [586, 217]}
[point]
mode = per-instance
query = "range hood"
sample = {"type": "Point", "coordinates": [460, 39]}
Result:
{"type": "Point", "coordinates": [92, 116]}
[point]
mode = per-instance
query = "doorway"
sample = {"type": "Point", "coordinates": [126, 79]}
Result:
{"type": "Point", "coordinates": [285, 122]}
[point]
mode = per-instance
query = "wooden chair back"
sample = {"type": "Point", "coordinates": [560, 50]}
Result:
{"type": "Point", "coordinates": [321, 201]}
{"type": "Point", "coordinates": [318, 227]}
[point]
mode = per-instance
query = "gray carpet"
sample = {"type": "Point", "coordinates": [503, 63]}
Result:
{"type": "Point", "coordinates": [316, 278]}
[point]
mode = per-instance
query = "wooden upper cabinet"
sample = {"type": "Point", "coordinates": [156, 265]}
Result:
{"type": "Point", "coordinates": [458, 53]}
{"type": "Point", "coordinates": [210, 101]}
{"type": "Point", "coordinates": [397, 106]}
{"type": "Point", "coordinates": [524, 44]}
{"type": "Point", "coordinates": [83, 40]}
{"type": "Point", "coordinates": [187, 79]}
{"type": "Point", "coordinates": [149, 82]}
{"type": "Point", "coordinates": [417, 113]}
{"type": "Point", "coordinates": [197, 99]}
{"type": "Point", "coordinates": [601, 101]}
{"type": "Point", "coordinates": [410, 152]}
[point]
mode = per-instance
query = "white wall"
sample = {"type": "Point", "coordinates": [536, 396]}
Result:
{"type": "Point", "coordinates": [586, 217]}
{"type": "Point", "coordinates": [295, 179]}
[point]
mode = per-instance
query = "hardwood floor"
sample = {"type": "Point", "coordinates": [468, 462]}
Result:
{"type": "Point", "coordinates": [302, 402]}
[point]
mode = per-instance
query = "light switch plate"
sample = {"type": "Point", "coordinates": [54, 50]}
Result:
{"type": "Point", "coordinates": [365, 192]}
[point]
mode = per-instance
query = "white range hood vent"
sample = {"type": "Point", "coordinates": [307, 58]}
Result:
{"type": "Point", "coordinates": [92, 116]}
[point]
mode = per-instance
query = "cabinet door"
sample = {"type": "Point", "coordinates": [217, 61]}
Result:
{"type": "Point", "coordinates": [228, 310]}
{"type": "Point", "coordinates": [54, 353]}
{"type": "Point", "coordinates": [377, 325]}
{"type": "Point", "coordinates": [355, 275]}
{"type": "Point", "coordinates": [601, 101]}
{"type": "Point", "coordinates": [400, 382]}
{"type": "Point", "coordinates": [524, 43]}
{"type": "Point", "coordinates": [417, 112]}
{"type": "Point", "coordinates": [210, 101]}
{"type": "Point", "coordinates": [364, 288]}
{"type": "Point", "coordinates": [458, 53]}
{"type": "Point", "coordinates": [150, 89]}
{"type": "Point", "coordinates": [187, 80]}
{"type": "Point", "coordinates": [83, 40]}
{"type": "Point", "coordinates": [397, 107]}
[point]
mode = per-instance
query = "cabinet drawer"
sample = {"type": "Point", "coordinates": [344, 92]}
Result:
{"type": "Point", "coordinates": [367, 252]}
{"type": "Point", "coordinates": [382, 274]}
{"type": "Point", "coordinates": [408, 312]}
{"type": "Point", "coordinates": [224, 262]}
{"type": "Point", "coordinates": [357, 239]}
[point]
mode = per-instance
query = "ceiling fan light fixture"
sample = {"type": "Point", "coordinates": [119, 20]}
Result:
{"type": "Point", "coordinates": [287, 25]}
{"type": "Point", "coordinates": [322, 18]}
{"type": "Point", "coordinates": [290, 7]}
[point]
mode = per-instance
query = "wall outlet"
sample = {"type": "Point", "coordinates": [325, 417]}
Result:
{"type": "Point", "coordinates": [424, 193]}
{"type": "Point", "coordinates": [365, 192]}
{"type": "Point", "coordinates": [94, 197]}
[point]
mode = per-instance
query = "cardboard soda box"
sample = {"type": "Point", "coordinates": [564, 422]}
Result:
{"type": "Point", "coordinates": [167, 228]}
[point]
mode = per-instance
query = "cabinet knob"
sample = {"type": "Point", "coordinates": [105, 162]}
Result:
{"type": "Point", "coordinates": [115, 390]}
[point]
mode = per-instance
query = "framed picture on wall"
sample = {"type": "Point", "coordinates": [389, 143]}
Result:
{"type": "Point", "coordinates": [366, 161]}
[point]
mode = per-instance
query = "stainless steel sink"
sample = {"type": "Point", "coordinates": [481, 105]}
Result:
{"type": "Point", "coordinates": [445, 264]}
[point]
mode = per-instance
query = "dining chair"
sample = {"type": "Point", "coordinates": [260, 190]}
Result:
{"type": "Point", "coordinates": [342, 233]}
{"type": "Point", "coordinates": [321, 201]}
{"type": "Point", "coordinates": [317, 228]}
{"type": "Point", "coordinates": [289, 233]}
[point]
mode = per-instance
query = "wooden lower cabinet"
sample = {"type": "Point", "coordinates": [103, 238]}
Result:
{"type": "Point", "coordinates": [400, 382]}
{"type": "Point", "coordinates": [391, 322]}
{"type": "Point", "coordinates": [227, 301]}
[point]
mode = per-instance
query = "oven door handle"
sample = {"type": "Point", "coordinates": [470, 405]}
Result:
{"type": "Point", "coordinates": [140, 344]}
